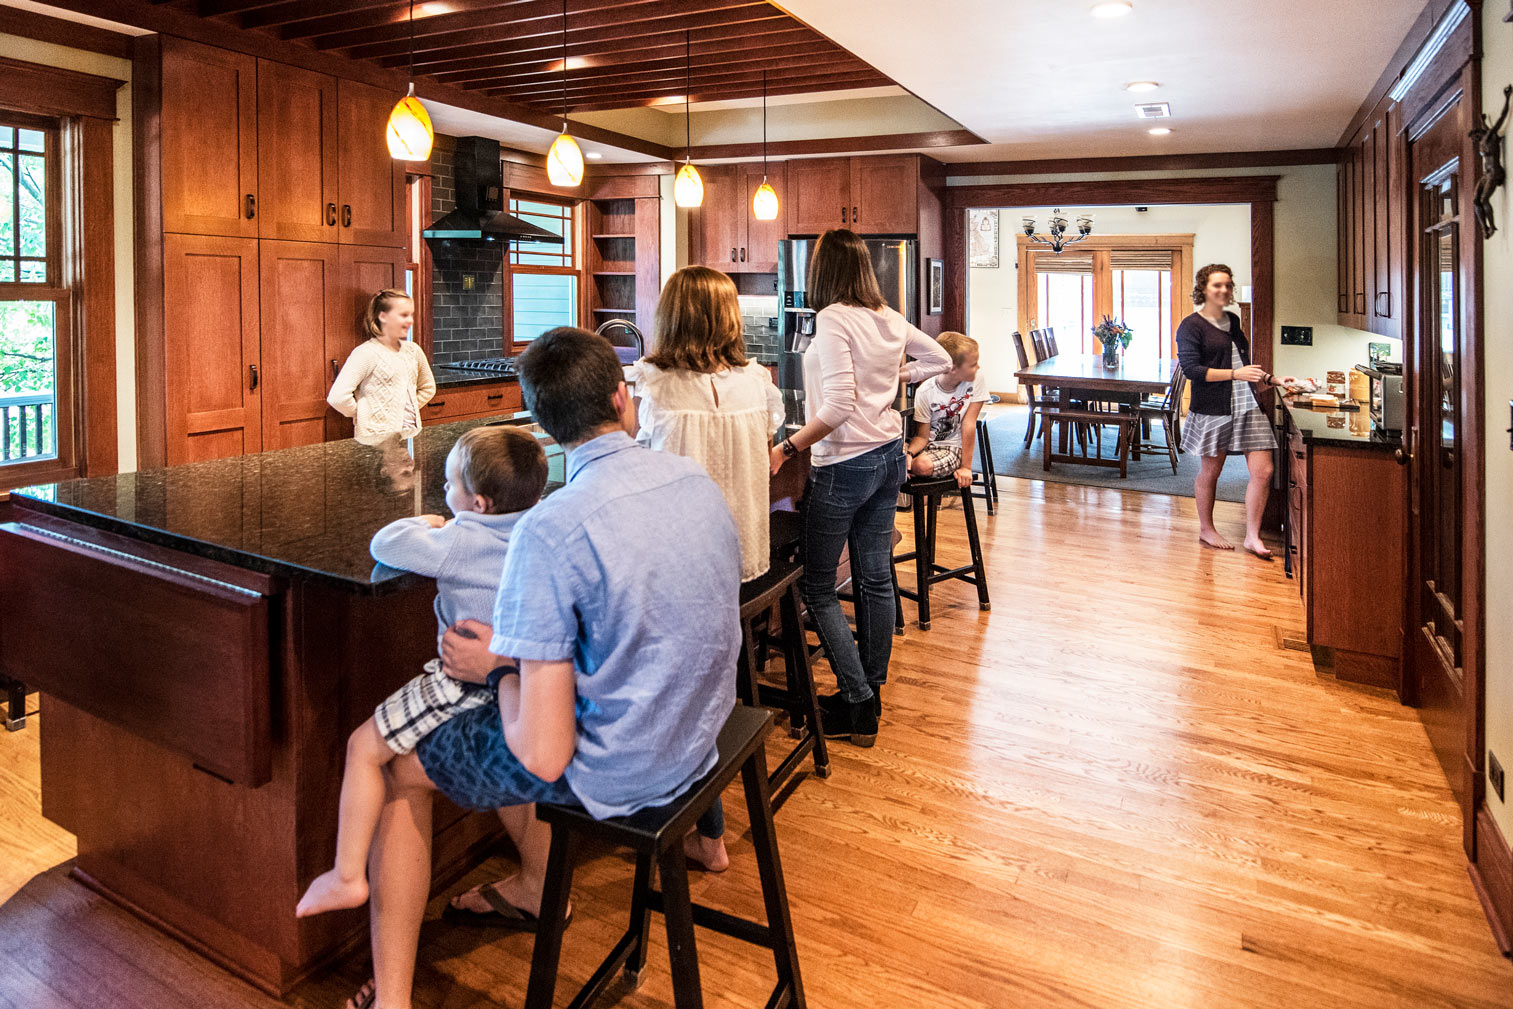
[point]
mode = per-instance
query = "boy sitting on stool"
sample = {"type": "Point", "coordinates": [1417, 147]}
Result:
{"type": "Point", "coordinates": [945, 415]}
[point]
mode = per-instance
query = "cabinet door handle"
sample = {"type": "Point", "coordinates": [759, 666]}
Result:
{"type": "Point", "coordinates": [346, 215]}
{"type": "Point", "coordinates": [843, 215]}
{"type": "Point", "coordinates": [251, 206]}
{"type": "Point", "coordinates": [1385, 313]}
{"type": "Point", "coordinates": [433, 404]}
{"type": "Point", "coordinates": [732, 254]}
{"type": "Point", "coordinates": [335, 368]}
{"type": "Point", "coordinates": [330, 215]}
{"type": "Point", "coordinates": [495, 395]}
{"type": "Point", "coordinates": [855, 217]}
{"type": "Point", "coordinates": [252, 368]}
{"type": "Point", "coordinates": [1401, 456]}
{"type": "Point", "coordinates": [743, 254]}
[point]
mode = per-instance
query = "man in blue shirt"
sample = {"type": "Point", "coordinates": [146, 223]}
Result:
{"type": "Point", "coordinates": [620, 602]}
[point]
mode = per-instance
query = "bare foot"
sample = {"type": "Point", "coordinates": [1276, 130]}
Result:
{"type": "Point", "coordinates": [1258, 548]}
{"type": "Point", "coordinates": [363, 999]}
{"type": "Point", "coordinates": [1215, 540]}
{"type": "Point", "coordinates": [329, 892]}
{"type": "Point", "coordinates": [708, 852]}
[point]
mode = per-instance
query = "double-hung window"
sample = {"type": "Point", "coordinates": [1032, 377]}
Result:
{"type": "Point", "coordinates": [543, 278]}
{"type": "Point", "coordinates": [36, 376]}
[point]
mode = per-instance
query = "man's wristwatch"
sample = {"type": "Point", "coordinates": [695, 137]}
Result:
{"type": "Point", "coordinates": [789, 450]}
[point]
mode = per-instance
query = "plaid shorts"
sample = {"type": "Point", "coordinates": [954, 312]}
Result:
{"type": "Point", "coordinates": [416, 709]}
{"type": "Point", "coordinates": [944, 459]}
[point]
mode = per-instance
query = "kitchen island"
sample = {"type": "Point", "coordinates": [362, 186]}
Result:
{"type": "Point", "coordinates": [206, 636]}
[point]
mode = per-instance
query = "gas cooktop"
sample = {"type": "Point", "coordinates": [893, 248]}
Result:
{"type": "Point", "coordinates": [494, 365]}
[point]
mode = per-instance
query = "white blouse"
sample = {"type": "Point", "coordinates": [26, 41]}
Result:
{"type": "Point", "coordinates": [725, 421]}
{"type": "Point", "coordinates": [383, 390]}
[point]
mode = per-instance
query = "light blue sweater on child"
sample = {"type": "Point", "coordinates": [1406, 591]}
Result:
{"type": "Point", "coordinates": [465, 556]}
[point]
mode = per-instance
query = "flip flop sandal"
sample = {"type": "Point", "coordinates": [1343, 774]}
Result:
{"type": "Point", "coordinates": [504, 914]}
{"type": "Point", "coordinates": [365, 996]}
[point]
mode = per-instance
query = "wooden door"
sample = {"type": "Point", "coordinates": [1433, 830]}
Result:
{"type": "Point", "coordinates": [1442, 449]}
{"type": "Point", "coordinates": [1387, 296]}
{"type": "Point", "coordinates": [1358, 233]}
{"type": "Point", "coordinates": [363, 272]}
{"type": "Point", "coordinates": [372, 205]}
{"type": "Point", "coordinates": [296, 154]}
{"type": "Point", "coordinates": [211, 347]}
{"type": "Point", "coordinates": [717, 228]}
{"type": "Point", "coordinates": [885, 195]}
{"type": "Point", "coordinates": [821, 191]}
{"type": "Point", "coordinates": [301, 299]}
{"type": "Point", "coordinates": [208, 140]}
{"type": "Point", "coordinates": [762, 237]}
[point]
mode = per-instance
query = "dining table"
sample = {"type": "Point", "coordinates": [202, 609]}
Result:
{"type": "Point", "coordinates": [1084, 377]}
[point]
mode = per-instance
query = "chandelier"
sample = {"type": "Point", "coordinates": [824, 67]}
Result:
{"type": "Point", "coordinates": [1058, 240]}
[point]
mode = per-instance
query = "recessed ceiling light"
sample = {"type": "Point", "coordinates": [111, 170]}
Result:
{"type": "Point", "coordinates": [1112, 9]}
{"type": "Point", "coordinates": [595, 155]}
{"type": "Point", "coordinates": [1138, 86]}
{"type": "Point", "coordinates": [1159, 131]}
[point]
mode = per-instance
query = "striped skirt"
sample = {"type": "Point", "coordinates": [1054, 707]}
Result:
{"type": "Point", "coordinates": [1206, 434]}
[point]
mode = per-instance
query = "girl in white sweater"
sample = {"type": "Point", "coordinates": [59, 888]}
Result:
{"type": "Point", "coordinates": [387, 379]}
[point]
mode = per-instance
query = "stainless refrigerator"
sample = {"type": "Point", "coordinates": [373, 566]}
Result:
{"type": "Point", "coordinates": [894, 260]}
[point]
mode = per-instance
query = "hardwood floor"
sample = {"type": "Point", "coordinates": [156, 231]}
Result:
{"type": "Point", "coordinates": [1116, 789]}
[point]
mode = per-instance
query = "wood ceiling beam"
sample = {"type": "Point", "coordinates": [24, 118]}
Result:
{"type": "Point", "coordinates": [619, 52]}
{"type": "Point", "coordinates": [525, 74]}
{"type": "Point", "coordinates": [624, 98]}
{"type": "Point", "coordinates": [670, 82]}
{"type": "Point", "coordinates": [547, 14]}
{"type": "Point", "coordinates": [283, 12]}
{"type": "Point", "coordinates": [220, 8]}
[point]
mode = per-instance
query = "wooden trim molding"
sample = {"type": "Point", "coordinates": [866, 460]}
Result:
{"type": "Point", "coordinates": [32, 25]}
{"type": "Point", "coordinates": [53, 91]}
{"type": "Point", "coordinates": [1116, 192]}
{"type": "Point", "coordinates": [1492, 876]}
{"type": "Point", "coordinates": [841, 145]}
{"type": "Point", "coordinates": [1146, 163]}
{"type": "Point", "coordinates": [91, 213]}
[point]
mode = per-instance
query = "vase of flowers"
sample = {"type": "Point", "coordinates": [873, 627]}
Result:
{"type": "Point", "coordinates": [1115, 337]}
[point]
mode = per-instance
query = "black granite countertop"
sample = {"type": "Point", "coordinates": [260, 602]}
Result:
{"type": "Point", "coordinates": [307, 513]}
{"type": "Point", "coordinates": [448, 377]}
{"type": "Point", "coordinates": [1351, 428]}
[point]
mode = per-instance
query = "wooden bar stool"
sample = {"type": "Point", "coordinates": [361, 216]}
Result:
{"type": "Point", "coordinates": [15, 703]}
{"type": "Point", "coordinates": [926, 493]}
{"type": "Point", "coordinates": [657, 835]}
{"type": "Point", "coordinates": [988, 475]}
{"type": "Point", "coordinates": [779, 588]}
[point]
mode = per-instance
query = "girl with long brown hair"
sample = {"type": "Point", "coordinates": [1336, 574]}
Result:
{"type": "Point", "coordinates": [387, 378]}
{"type": "Point", "coordinates": [855, 436]}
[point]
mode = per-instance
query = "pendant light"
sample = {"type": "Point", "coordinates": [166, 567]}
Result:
{"type": "Point", "coordinates": [688, 188]}
{"type": "Point", "coordinates": [764, 202]}
{"type": "Point", "coordinates": [410, 133]}
{"type": "Point", "coordinates": [564, 161]}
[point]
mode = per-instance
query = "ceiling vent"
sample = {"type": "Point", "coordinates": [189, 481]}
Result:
{"type": "Point", "coordinates": [1153, 110]}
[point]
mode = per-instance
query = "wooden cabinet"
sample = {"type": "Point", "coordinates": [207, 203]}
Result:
{"type": "Point", "coordinates": [724, 234]}
{"type": "Point", "coordinates": [465, 402]}
{"type": "Point", "coordinates": [372, 206]}
{"type": "Point", "coordinates": [1345, 539]}
{"type": "Point", "coordinates": [1372, 217]}
{"type": "Point", "coordinates": [212, 347]}
{"type": "Point", "coordinates": [296, 154]}
{"type": "Point", "coordinates": [885, 195]}
{"type": "Point", "coordinates": [624, 257]}
{"type": "Point", "coordinates": [207, 140]}
{"type": "Point", "coordinates": [301, 295]}
{"type": "Point", "coordinates": [820, 190]}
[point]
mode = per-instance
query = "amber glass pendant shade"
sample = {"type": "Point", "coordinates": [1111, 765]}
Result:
{"type": "Point", "coordinates": [564, 162]}
{"type": "Point", "coordinates": [764, 202]}
{"type": "Point", "coordinates": [409, 132]}
{"type": "Point", "coordinates": [688, 188]}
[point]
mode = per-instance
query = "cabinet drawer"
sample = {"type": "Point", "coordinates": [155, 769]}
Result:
{"type": "Point", "coordinates": [472, 401]}
{"type": "Point", "coordinates": [178, 655]}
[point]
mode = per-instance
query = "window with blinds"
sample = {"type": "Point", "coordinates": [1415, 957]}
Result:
{"type": "Point", "coordinates": [1075, 289]}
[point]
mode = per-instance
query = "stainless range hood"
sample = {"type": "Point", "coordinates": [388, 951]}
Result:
{"type": "Point", "coordinates": [480, 215]}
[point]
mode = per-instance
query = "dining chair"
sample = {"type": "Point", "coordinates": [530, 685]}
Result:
{"type": "Point", "coordinates": [1037, 340]}
{"type": "Point", "coordinates": [1167, 411]}
{"type": "Point", "coordinates": [1038, 400]}
{"type": "Point", "coordinates": [1050, 341]}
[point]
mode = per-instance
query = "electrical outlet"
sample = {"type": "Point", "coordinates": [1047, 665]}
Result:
{"type": "Point", "coordinates": [1297, 336]}
{"type": "Point", "coordinates": [1495, 775]}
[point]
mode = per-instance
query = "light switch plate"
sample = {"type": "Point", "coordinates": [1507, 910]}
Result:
{"type": "Point", "coordinates": [1297, 336]}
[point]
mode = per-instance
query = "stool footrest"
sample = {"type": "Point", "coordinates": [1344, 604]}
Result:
{"type": "Point", "coordinates": [719, 921]}
{"type": "Point", "coordinates": [606, 972]}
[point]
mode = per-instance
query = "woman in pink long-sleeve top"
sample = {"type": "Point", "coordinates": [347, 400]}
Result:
{"type": "Point", "coordinates": [851, 374]}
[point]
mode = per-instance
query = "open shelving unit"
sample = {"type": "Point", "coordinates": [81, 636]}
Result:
{"type": "Point", "coordinates": [624, 259]}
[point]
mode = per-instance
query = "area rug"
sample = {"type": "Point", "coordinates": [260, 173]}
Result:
{"type": "Point", "coordinates": [1151, 474]}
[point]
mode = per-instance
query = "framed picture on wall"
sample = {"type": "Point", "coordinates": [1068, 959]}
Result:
{"type": "Point", "coordinates": [982, 231]}
{"type": "Point", "coordinates": [935, 284]}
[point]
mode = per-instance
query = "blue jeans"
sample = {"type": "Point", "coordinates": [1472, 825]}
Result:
{"type": "Point", "coordinates": [853, 502]}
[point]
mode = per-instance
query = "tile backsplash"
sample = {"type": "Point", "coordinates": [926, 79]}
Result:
{"type": "Point", "coordinates": [759, 325]}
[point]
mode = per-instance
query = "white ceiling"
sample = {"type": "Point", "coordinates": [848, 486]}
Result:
{"type": "Point", "coordinates": [456, 122]}
{"type": "Point", "coordinates": [1045, 79]}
